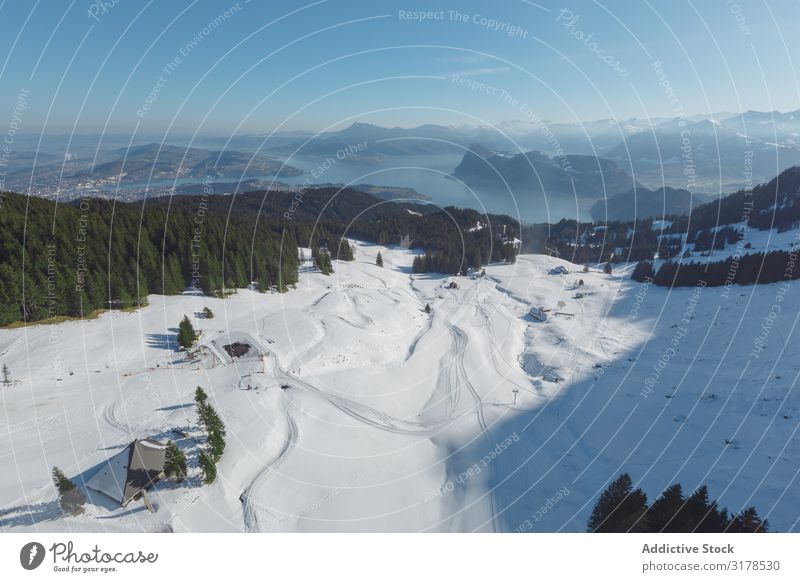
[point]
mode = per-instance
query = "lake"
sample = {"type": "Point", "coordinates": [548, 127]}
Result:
{"type": "Point", "coordinates": [430, 175]}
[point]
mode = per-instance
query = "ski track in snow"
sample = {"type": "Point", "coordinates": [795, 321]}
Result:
{"type": "Point", "coordinates": [250, 507]}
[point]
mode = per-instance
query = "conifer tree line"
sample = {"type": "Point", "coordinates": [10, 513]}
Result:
{"type": "Point", "coordinates": [774, 205]}
{"type": "Point", "coordinates": [215, 431]}
{"type": "Point", "coordinates": [748, 269]}
{"type": "Point", "coordinates": [71, 259]}
{"type": "Point", "coordinates": [621, 508]}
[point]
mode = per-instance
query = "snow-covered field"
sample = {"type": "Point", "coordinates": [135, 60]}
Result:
{"type": "Point", "coordinates": [475, 417]}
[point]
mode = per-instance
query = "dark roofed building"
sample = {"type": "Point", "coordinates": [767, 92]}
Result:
{"type": "Point", "coordinates": [131, 471]}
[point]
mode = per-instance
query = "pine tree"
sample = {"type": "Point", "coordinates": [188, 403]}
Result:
{"type": "Point", "coordinates": [379, 260]}
{"type": "Point", "coordinates": [201, 402]}
{"type": "Point", "coordinates": [212, 423]}
{"type": "Point", "coordinates": [747, 521]}
{"type": "Point", "coordinates": [207, 313]}
{"type": "Point", "coordinates": [665, 514]}
{"type": "Point", "coordinates": [322, 259]}
{"type": "Point", "coordinates": [186, 333]}
{"type": "Point", "coordinates": [175, 462]}
{"type": "Point", "coordinates": [70, 498]}
{"type": "Point", "coordinates": [200, 396]}
{"type": "Point", "coordinates": [208, 467]}
{"type": "Point", "coordinates": [620, 508]}
{"type": "Point", "coordinates": [642, 271]}
{"type": "Point", "coordinates": [216, 441]}
{"type": "Point", "coordinates": [702, 515]}
{"type": "Point", "coordinates": [216, 434]}
{"type": "Point", "coordinates": [344, 251]}
{"type": "Point", "coordinates": [427, 308]}
{"type": "Point", "coordinates": [607, 268]}
{"type": "Point", "coordinates": [6, 374]}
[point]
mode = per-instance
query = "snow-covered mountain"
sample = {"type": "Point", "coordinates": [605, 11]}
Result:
{"type": "Point", "coordinates": [471, 418]}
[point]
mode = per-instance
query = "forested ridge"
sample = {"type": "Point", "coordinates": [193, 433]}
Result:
{"type": "Point", "coordinates": [72, 259]}
{"type": "Point", "coordinates": [710, 227]}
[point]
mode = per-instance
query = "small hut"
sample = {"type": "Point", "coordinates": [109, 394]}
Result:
{"type": "Point", "coordinates": [538, 314]}
{"type": "Point", "coordinates": [126, 475]}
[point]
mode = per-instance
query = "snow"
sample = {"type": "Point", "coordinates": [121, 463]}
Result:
{"type": "Point", "coordinates": [661, 224]}
{"type": "Point", "coordinates": [471, 418]}
{"type": "Point", "coordinates": [760, 241]}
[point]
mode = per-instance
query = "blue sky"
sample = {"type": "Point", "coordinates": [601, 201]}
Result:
{"type": "Point", "coordinates": [290, 65]}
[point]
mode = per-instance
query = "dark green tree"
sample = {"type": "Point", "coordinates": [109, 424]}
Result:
{"type": "Point", "coordinates": [212, 423]}
{"type": "Point", "coordinates": [186, 333]}
{"type": "Point", "coordinates": [207, 313]}
{"type": "Point", "coordinates": [620, 508]}
{"type": "Point", "coordinates": [70, 498]}
{"type": "Point", "coordinates": [666, 513]}
{"type": "Point", "coordinates": [427, 308]}
{"type": "Point", "coordinates": [379, 260]}
{"type": "Point", "coordinates": [208, 467]}
{"type": "Point", "coordinates": [216, 442]}
{"type": "Point", "coordinates": [175, 463]}
{"type": "Point", "coordinates": [702, 515]}
{"type": "Point", "coordinates": [642, 271]}
{"type": "Point", "coordinates": [344, 251]}
{"type": "Point", "coordinates": [322, 260]}
{"type": "Point", "coordinates": [747, 521]}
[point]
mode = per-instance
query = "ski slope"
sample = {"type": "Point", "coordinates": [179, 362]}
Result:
{"type": "Point", "coordinates": [475, 417]}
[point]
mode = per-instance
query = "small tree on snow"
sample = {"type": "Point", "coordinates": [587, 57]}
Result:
{"type": "Point", "coordinates": [207, 313]}
{"type": "Point", "coordinates": [379, 260]}
{"type": "Point", "coordinates": [6, 374]}
{"type": "Point", "coordinates": [175, 462]}
{"type": "Point", "coordinates": [427, 308]}
{"type": "Point", "coordinates": [607, 268]}
{"type": "Point", "coordinates": [186, 333]}
{"type": "Point", "coordinates": [70, 498]}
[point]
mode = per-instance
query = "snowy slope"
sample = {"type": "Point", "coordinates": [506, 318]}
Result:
{"type": "Point", "coordinates": [475, 417]}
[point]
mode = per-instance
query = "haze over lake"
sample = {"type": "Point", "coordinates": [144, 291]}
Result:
{"type": "Point", "coordinates": [431, 175]}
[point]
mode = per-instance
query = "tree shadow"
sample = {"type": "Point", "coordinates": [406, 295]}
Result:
{"type": "Point", "coordinates": [609, 420]}
{"type": "Point", "coordinates": [164, 341]}
{"type": "Point", "coordinates": [176, 406]}
{"type": "Point", "coordinates": [27, 515]}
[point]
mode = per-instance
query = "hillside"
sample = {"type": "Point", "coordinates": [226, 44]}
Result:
{"type": "Point", "coordinates": [535, 173]}
{"type": "Point", "coordinates": [644, 203]}
{"type": "Point", "coordinates": [470, 418]}
{"type": "Point", "coordinates": [72, 259]}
